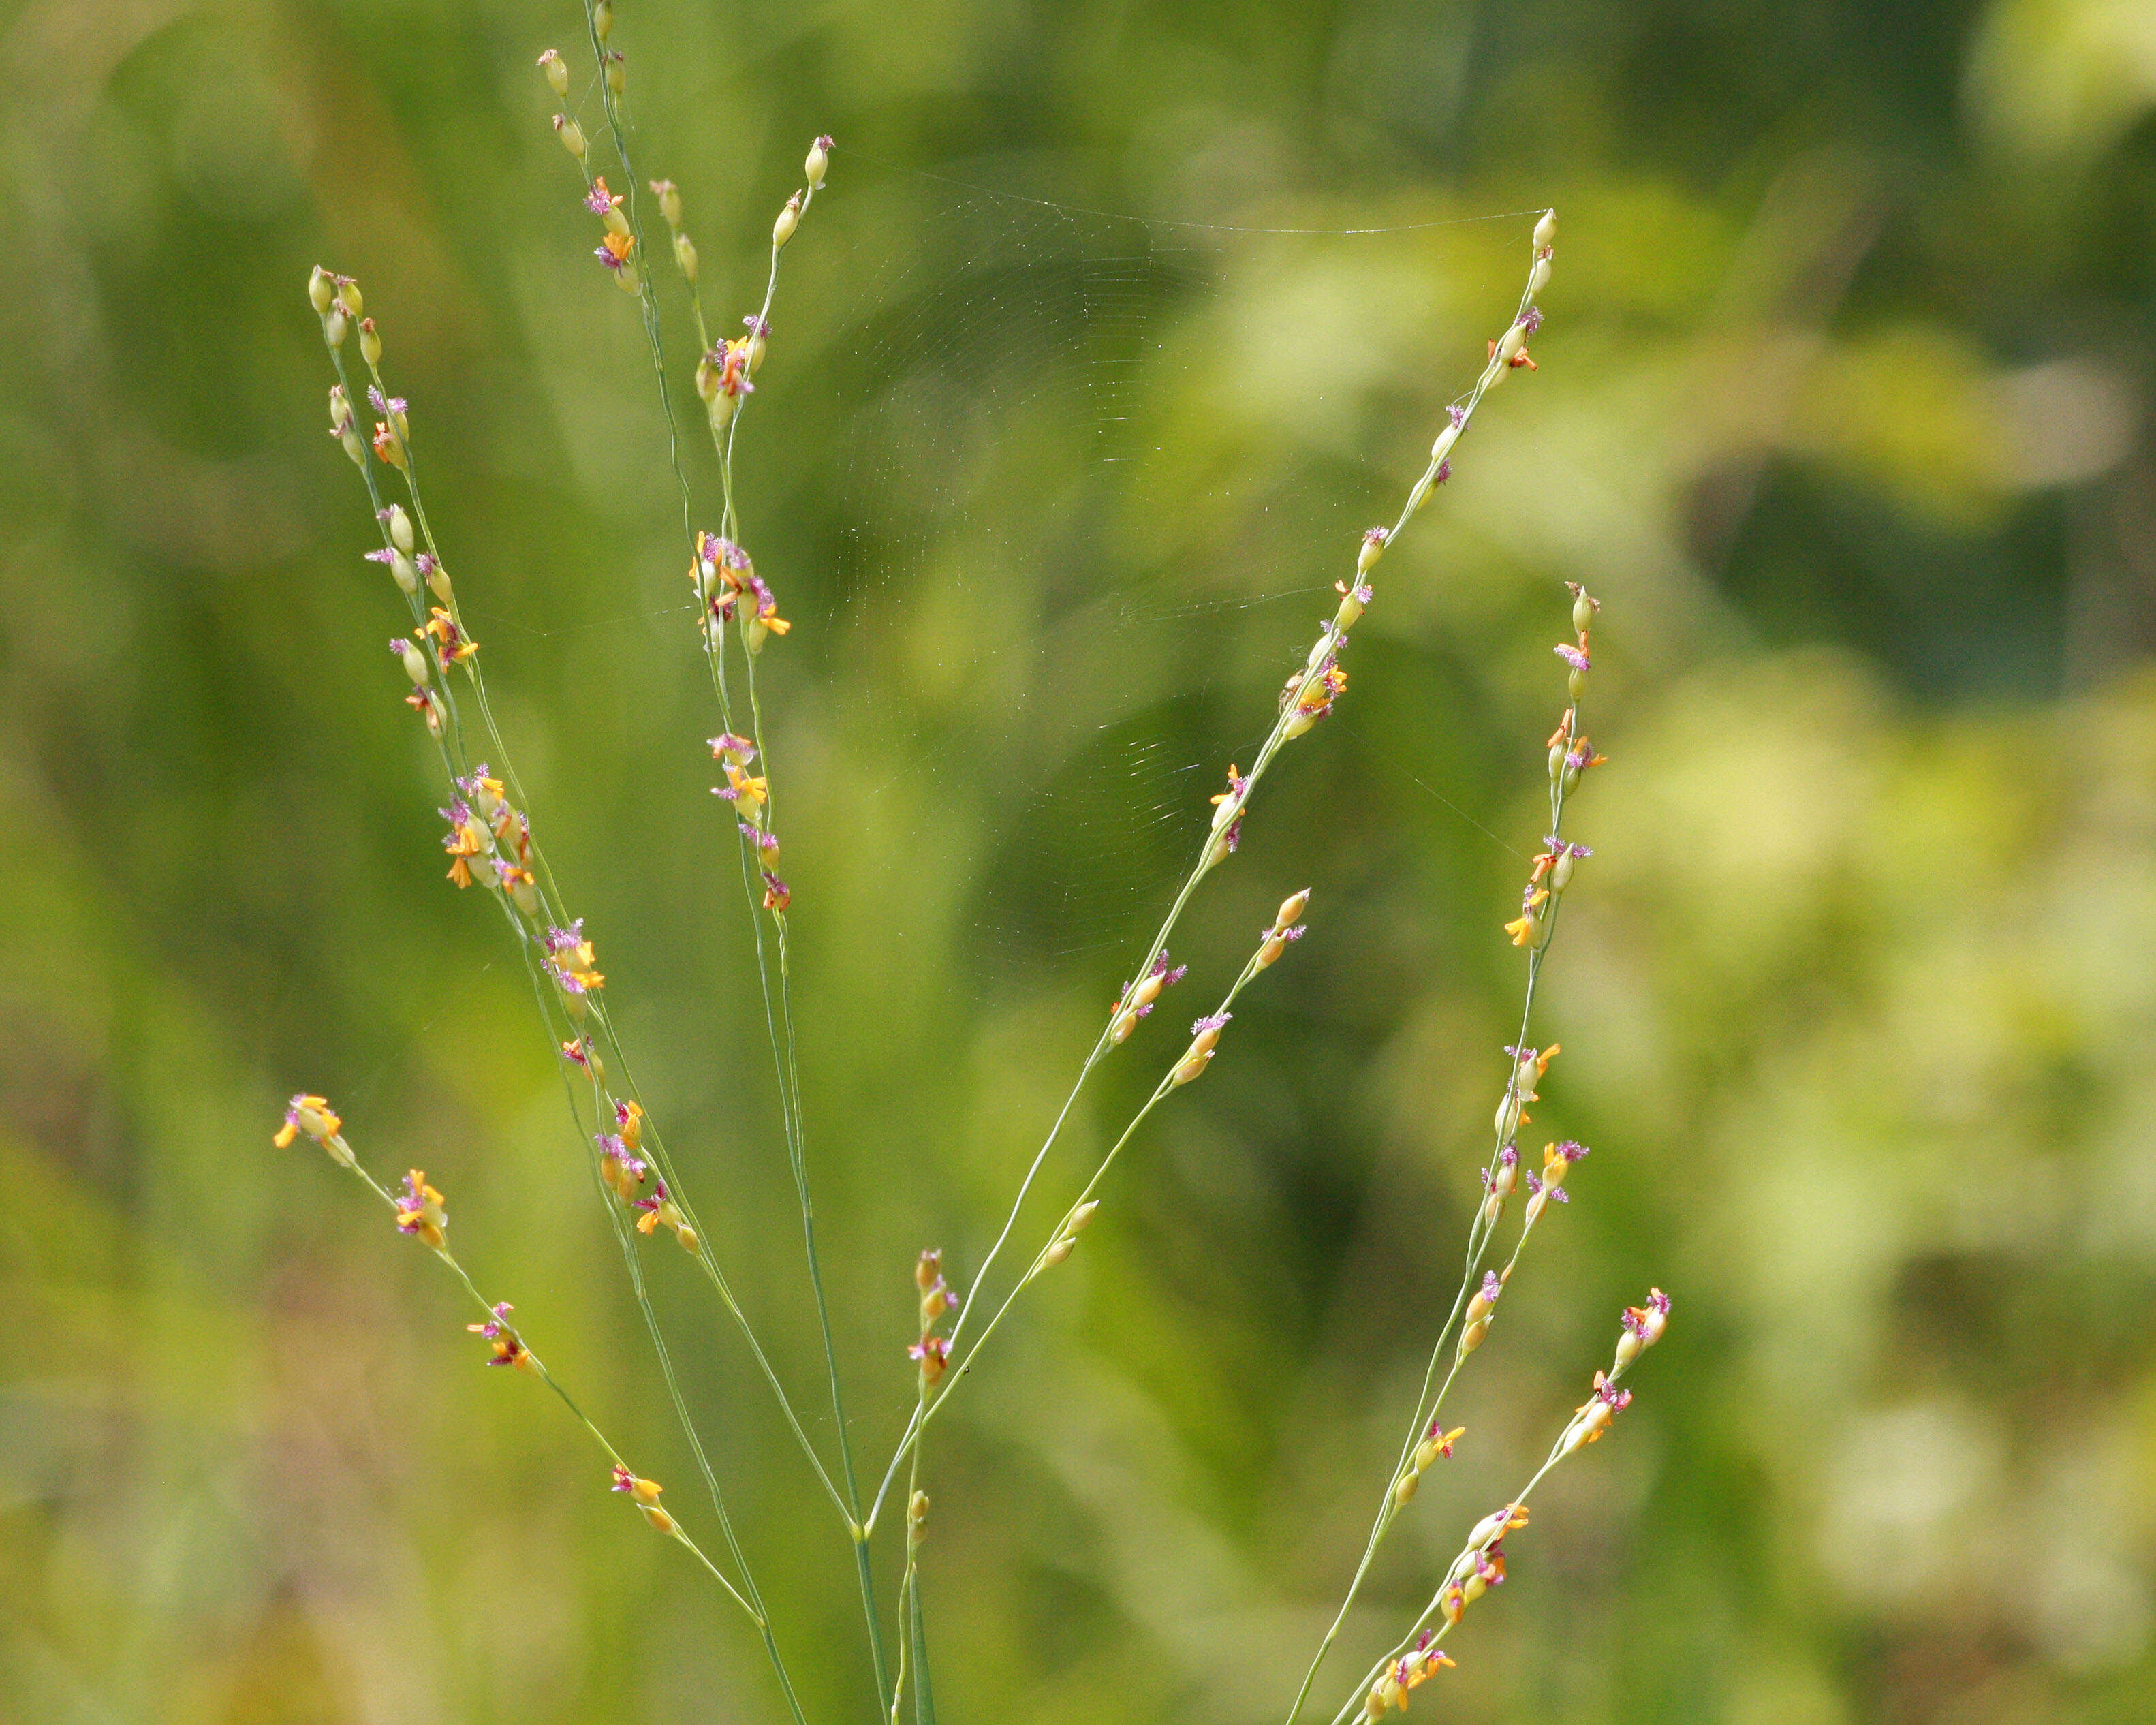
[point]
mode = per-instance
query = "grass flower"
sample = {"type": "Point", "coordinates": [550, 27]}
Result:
{"type": "Point", "coordinates": [507, 1347]}
{"type": "Point", "coordinates": [420, 1210]}
{"type": "Point", "coordinates": [644, 1495]}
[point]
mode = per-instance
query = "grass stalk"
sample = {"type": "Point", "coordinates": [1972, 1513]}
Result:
{"type": "Point", "coordinates": [781, 1028]}
{"type": "Point", "coordinates": [1481, 1231]}
{"type": "Point", "coordinates": [1242, 789]}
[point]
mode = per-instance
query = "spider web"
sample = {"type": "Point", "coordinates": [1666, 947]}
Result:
{"type": "Point", "coordinates": [1016, 369]}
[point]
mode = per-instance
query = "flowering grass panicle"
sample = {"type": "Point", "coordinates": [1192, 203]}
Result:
{"type": "Point", "coordinates": [489, 838]}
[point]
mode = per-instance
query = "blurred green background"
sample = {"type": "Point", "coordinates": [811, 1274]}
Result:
{"type": "Point", "coordinates": [1843, 410]}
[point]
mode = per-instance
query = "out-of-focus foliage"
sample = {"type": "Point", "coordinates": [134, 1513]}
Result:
{"type": "Point", "coordinates": [1842, 410]}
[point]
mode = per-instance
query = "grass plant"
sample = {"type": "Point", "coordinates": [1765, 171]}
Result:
{"type": "Point", "coordinates": [492, 844]}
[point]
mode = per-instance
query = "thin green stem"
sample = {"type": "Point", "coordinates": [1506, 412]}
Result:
{"type": "Point", "coordinates": [1564, 1445]}
{"type": "Point", "coordinates": [1329, 641]}
{"type": "Point", "coordinates": [787, 1070]}
{"type": "Point", "coordinates": [927, 1409]}
{"type": "Point", "coordinates": [456, 767]}
{"type": "Point", "coordinates": [552, 1382]}
{"type": "Point", "coordinates": [1479, 1232]}
{"type": "Point", "coordinates": [1355, 1701]}
{"type": "Point", "coordinates": [1483, 1225]}
{"type": "Point", "coordinates": [785, 1061]}
{"type": "Point", "coordinates": [550, 894]}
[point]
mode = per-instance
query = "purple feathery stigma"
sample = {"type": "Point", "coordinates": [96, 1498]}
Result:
{"type": "Point", "coordinates": [558, 941]}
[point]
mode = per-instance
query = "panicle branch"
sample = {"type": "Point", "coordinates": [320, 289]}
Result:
{"type": "Point", "coordinates": [729, 591]}
{"type": "Point", "coordinates": [1480, 1564]}
{"type": "Point", "coordinates": [489, 841]}
{"type": "Point", "coordinates": [421, 1212]}
{"type": "Point", "coordinates": [1135, 1003]}
{"type": "Point", "coordinates": [1309, 696]}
